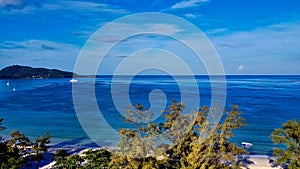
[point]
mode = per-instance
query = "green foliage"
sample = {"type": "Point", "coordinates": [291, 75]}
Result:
{"type": "Point", "coordinates": [97, 159]}
{"type": "Point", "coordinates": [63, 161]}
{"type": "Point", "coordinates": [288, 135]}
{"type": "Point", "coordinates": [140, 139]}
{"type": "Point", "coordinates": [19, 150]}
{"type": "Point", "coordinates": [38, 149]}
{"type": "Point", "coordinates": [9, 158]}
{"type": "Point", "coordinates": [19, 143]}
{"type": "Point", "coordinates": [216, 151]}
{"type": "Point", "coordinates": [60, 156]}
{"type": "Point", "coordinates": [74, 161]}
{"type": "Point", "coordinates": [17, 71]}
{"type": "Point", "coordinates": [190, 140]}
{"type": "Point", "coordinates": [128, 162]}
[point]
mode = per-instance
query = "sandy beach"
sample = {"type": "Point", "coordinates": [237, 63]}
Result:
{"type": "Point", "coordinates": [250, 162]}
{"type": "Point", "coordinates": [259, 162]}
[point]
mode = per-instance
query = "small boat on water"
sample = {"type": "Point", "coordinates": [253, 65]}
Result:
{"type": "Point", "coordinates": [14, 89]}
{"type": "Point", "coordinates": [246, 144]}
{"type": "Point", "coordinates": [73, 80]}
{"type": "Point", "coordinates": [7, 84]}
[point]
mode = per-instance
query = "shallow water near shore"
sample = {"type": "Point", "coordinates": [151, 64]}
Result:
{"type": "Point", "coordinates": [38, 106]}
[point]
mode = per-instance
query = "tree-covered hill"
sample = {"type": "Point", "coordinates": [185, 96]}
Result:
{"type": "Point", "coordinates": [17, 71]}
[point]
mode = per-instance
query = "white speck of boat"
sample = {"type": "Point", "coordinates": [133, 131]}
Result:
{"type": "Point", "coordinates": [7, 83]}
{"type": "Point", "coordinates": [246, 144]}
{"type": "Point", "coordinates": [73, 80]}
{"type": "Point", "coordinates": [14, 89]}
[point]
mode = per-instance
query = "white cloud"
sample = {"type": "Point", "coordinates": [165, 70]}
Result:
{"type": "Point", "coordinates": [217, 31]}
{"type": "Point", "coordinates": [188, 4]}
{"type": "Point", "coordinates": [4, 3]}
{"type": "Point", "coordinates": [167, 29]}
{"type": "Point", "coordinates": [29, 6]}
{"type": "Point", "coordinates": [39, 53]}
{"type": "Point", "coordinates": [20, 5]}
{"type": "Point", "coordinates": [81, 5]}
{"type": "Point", "coordinates": [189, 15]}
{"type": "Point", "coordinates": [124, 28]}
{"type": "Point", "coordinates": [31, 44]}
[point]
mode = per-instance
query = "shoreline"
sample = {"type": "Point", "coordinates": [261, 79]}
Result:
{"type": "Point", "coordinates": [260, 162]}
{"type": "Point", "coordinates": [249, 161]}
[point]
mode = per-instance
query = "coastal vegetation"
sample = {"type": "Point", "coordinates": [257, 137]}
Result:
{"type": "Point", "coordinates": [96, 159]}
{"type": "Point", "coordinates": [288, 135]}
{"type": "Point", "coordinates": [20, 151]}
{"type": "Point", "coordinates": [201, 146]}
{"type": "Point", "coordinates": [26, 72]}
{"type": "Point", "coordinates": [197, 145]}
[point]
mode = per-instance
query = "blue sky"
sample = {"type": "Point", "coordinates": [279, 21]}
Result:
{"type": "Point", "coordinates": [251, 36]}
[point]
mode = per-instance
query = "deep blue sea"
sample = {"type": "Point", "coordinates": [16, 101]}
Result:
{"type": "Point", "coordinates": [38, 106]}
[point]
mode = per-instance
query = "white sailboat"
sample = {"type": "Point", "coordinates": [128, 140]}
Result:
{"type": "Point", "coordinates": [14, 89]}
{"type": "Point", "coordinates": [7, 84]}
{"type": "Point", "coordinates": [73, 80]}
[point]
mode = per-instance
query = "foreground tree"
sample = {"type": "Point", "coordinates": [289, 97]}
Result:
{"type": "Point", "coordinates": [63, 161]}
{"type": "Point", "coordinates": [19, 147]}
{"type": "Point", "coordinates": [191, 140]}
{"type": "Point", "coordinates": [217, 151]}
{"type": "Point", "coordinates": [206, 147]}
{"type": "Point", "coordinates": [39, 148]}
{"type": "Point", "coordinates": [74, 161]}
{"type": "Point", "coordinates": [9, 156]}
{"type": "Point", "coordinates": [60, 157]}
{"type": "Point", "coordinates": [137, 141]}
{"type": "Point", "coordinates": [288, 135]}
{"type": "Point", "coordinates": [97, 159]}
{"type": "Point", "coordinates": [19, 150]}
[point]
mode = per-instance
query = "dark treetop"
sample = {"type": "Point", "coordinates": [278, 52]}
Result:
{"type": "Point", "coordinates": [17, 72]}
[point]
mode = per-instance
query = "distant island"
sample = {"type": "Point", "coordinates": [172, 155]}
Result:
{"type": "Point", "coordinates": [27, 72]}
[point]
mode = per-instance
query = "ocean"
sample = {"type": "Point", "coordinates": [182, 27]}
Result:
{"type": "Point", "coordinates": [38, 106]}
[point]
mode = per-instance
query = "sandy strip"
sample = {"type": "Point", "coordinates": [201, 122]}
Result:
{"type": "Point", "coordinates": [261, 162]}
{"type": "Point", "coordinates": [48, 166]}
{"type": "Point", "coordinates": [252, 162]}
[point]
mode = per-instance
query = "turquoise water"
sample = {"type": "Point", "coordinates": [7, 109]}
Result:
{"type": "Point", "coordinates": [45, 105]}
